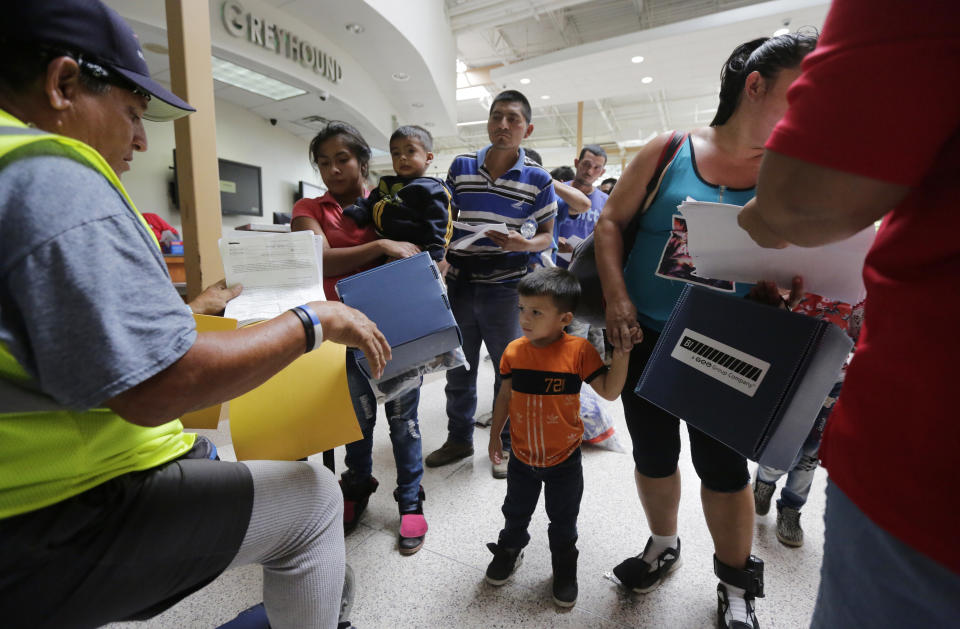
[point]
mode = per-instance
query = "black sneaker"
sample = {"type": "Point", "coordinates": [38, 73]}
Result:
{"type": "Point", "coordinates": [641, 577]}
{"type": "Point", "coordinates": [762, 493]}
{"type": "Point", "coordinates": [565, 577]}
{"type": "Point", "coordinates": [739, 615]}
{"type": "Point", "coordinates": [356, 494]}
{"type": "Point", "coordinates": [504, 563]}
{"type": "Point", "coordinates": [789, 531]}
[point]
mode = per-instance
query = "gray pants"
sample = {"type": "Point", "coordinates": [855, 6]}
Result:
{"type": "Point", "coordinates": [296, 533]}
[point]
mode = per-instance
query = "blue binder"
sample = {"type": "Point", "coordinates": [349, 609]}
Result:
{"type": "Point", "coordinates": [751, 376]}
{"type": "Point", "coordinates": [408, 302]}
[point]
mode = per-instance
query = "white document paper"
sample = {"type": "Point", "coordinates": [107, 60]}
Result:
{"type": "Point", "coordinates": [476, 233]}
{"type": "Point", "coordinates": [721, 249]}
{"type": "Point", "coordinates": [573, 241]}
{"type": "Point", "coordinates": [278, 272]}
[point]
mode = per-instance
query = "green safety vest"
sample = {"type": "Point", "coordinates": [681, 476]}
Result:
{"type": "Point", "coordinates": [47, 452]}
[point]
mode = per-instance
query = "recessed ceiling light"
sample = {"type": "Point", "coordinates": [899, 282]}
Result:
{"type": "Point", "coordinates": [646, 80]}
{"type": "Point", "coordinates": [429, 124]}
{"type": "Point", "coordinates": [401, 76]}
{"type": "Point", "coordinates": [781, 31]}
{"type": "Point", "coordinates": [545, 97]}
{"type": "Point", "coordinates": [524, 81]}
{"type": "Point", "coordinates": [416, 105]}
{"type": "Point", "coordinates": [238, 76]}
{"type": "Point", "coordinates": [160, 49]}
{"type": "Point", "coordinates": [355, 28]}
{"type": "Point", "coordinates": [637, 59]}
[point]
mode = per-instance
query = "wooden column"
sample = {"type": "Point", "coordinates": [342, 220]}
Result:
{"type": "Point", "coordinates": [579, 127]}
{"type": "Point", "coordinates": [191, 77]}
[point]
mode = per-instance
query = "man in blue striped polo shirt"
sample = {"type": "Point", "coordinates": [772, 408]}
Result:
{"type": "Point", "coordinates": [496, 185]}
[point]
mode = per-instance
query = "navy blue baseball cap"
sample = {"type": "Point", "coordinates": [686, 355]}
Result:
{"type": "Point", "coordinates": [97, 34]}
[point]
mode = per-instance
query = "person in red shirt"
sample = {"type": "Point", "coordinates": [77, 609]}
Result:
{"type": "Point", "coordinates": [342, 155]}
{"type": "Point", "coordinates": [850, 150]}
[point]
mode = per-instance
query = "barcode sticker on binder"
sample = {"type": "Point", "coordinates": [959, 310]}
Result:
{"type": "Point", "coordinates": [730, 366]}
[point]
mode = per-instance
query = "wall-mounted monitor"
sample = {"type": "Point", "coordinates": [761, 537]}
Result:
{"type": "Point", "coordinates": [310, 191]}
{"type": "Point", "coordinates": [241, 190]}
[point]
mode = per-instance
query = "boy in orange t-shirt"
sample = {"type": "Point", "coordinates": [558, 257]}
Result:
{"type": "Point", "coordinates": [542, 372]}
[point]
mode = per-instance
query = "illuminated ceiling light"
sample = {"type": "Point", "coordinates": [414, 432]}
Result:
{"type": "Point", "coordinates": [471, 123]}
{"type": "Point", "coordinates": [781, 31]}
{"type": "Point", "coordinates": [524, 81]}
{"type": "Point", "coordinates": [245, 79]}
{"type": "Point", "coordinates": [647, 80]}
{"type": "Point", "coordinates": [400, 76]}
{"type": "Point", "coordinates": [637, 59]}
{"type": "Point", "coordinates": [545, 97]}
{"type": "Point", "coordinates": [355, 28]}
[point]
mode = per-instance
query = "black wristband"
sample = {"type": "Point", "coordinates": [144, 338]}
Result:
{"type": "Point", "coordinates": [307, 327]}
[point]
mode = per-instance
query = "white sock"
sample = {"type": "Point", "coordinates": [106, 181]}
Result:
{"type": "Point", "coordinates": [660, 543]}
{"type": "Point", "coordinates": [738, 606]}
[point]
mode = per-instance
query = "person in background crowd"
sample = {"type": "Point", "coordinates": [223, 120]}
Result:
{"type": "Point", "coordinates": [606, 186]}
{"type": "Point", "coordinates": [890, 557]}
{"type": "Point", "coordinates": [718, 163]}
{"type": "Point", "coordinates": [342, 156]}
{"type": "Point", "coordinates": [562, 173]}
{"type": "Point", "coordinates": [107, 507]}
{"type": "Point", "coordinates": [409, 206]}
{"type": "Point", "coordinates": [482, 278]}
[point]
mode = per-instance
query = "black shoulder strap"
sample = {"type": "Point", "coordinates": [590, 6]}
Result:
{"type": "Point", "coordinates": [666, 156]}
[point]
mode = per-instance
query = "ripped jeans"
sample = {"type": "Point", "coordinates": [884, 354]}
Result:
{"type": "Point", "coordinates": [404, 434]}
{"type": "Point", "coordinates": [800, 475]}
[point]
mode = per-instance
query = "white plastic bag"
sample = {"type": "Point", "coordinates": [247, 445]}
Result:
{"type": "Point", "coordinates": [597, 421]}
{"type": "Point", "coordinates": [394, 387]}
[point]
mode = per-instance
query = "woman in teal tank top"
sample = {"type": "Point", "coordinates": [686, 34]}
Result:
{"type": "Point", "coordinates": [641, 282]}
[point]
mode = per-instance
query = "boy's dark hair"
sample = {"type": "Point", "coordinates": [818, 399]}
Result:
{"type": "Point", "coordinates": [413, 131]}
{"type": "Point", "coordinates": [563, 173]}
{"type": "Point", "coordinates": [355, 142]}
{"type": "Point", "coordinates": [612, 180]}
{"type": "Point", "coordinates": [533, 155]}
{"type": "Point", "coordinates": [559, 284]}
{"type": "Point", "coordinates": [513, 96]}
{"type": "Point", "coordinates": [596, 150]}
{"type": "Point", "coordinates": [766, 55]}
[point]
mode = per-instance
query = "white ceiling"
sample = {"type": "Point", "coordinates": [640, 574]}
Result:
{"type": "Point", "coordinates": [683, 53]}
{"type": "Point", "coordinates": [571, 50]}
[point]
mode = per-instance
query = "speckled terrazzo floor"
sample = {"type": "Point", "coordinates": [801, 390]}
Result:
{"type": "Point", "coordinates": [442, 585]}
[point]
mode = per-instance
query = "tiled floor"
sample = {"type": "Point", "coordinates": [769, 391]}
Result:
{"type": "Point", "coordinates": [443, 586]}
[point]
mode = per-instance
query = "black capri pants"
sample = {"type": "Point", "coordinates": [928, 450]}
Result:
{"type": "Point", "coordinates": [656, 435]}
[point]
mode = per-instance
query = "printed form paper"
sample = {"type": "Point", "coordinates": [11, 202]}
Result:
{"type": "Point", "coordinates": [476, 233]}
{"type": "Point", "coordinates": [721, 249]}
{"type": "Point", "coordinates": [278, 272]}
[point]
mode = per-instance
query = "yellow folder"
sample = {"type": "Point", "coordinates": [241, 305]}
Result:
{"type": "Point", "coordinates": [302, 410]}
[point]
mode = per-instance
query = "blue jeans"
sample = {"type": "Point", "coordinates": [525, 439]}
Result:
{"type": "Point", "coordinates": [486, 313]}
{"type": "Point", "coordinates": [871, 579]}
{"type": "Point", "coordinates": [800, 477]}
{"type": "Point", "coordinates": [563, 488]}
{"type": "Point", "coordinates": [404, 434]}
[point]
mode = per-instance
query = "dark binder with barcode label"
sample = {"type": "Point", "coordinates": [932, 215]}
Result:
{"type": "Point", "coordinates": [752, 376]}
{"type": "Point", "coordinates": [408, 302]}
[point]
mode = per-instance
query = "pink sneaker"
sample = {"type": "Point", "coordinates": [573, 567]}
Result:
{"type": "Point", "coordinates": [413, 527]}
